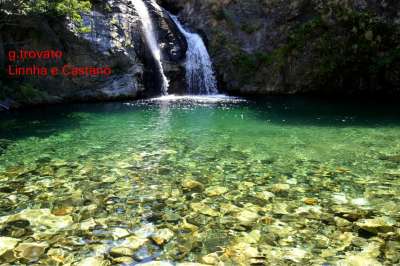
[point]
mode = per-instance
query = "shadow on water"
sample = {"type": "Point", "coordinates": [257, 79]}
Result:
{"type": "Point", "coordinates": [306, 111]}
{"type": "Point", "coordinates": [290, 111]}
{"type": "Point", "coordinates": [48, 120]}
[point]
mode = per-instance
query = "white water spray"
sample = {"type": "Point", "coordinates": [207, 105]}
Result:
{"type": "Point", "coordinates": [150, 35]}
{"type": "Point", "coordinates": [199, 72]}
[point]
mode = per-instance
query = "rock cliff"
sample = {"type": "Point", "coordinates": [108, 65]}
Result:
{"type": "Point", "coordinates": [114, 40]}
{"type": "Point", "coordinates": [257, 47]}
{"type": "Point", "coordinates": [301, 46]}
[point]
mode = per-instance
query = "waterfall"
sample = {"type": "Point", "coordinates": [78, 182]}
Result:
{"type": "Point", "coordinates": [151, 39]}
{"type": "Point", "coordinates": [199, 72]}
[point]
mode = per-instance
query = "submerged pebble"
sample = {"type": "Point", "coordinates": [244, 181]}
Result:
{"type": "Point", "coordinates": [134, 191]}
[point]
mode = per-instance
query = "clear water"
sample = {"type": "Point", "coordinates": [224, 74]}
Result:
{"type": "Point", "coordinates": [151, 38]}
{"type": "Point", "coordinates": [127, 162]}
{"type": "Point", "coordinates": [199, 71]}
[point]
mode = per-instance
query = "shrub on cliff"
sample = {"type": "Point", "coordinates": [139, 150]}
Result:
{"type": "Point", "coordinates": [72, 9]}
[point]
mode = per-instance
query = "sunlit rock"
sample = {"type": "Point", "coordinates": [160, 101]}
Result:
{"type": "Point", "coordinates": [156, 263]}
{"type": "Point", "coordinates": [42, 221]}
{"type": "Point", "coordinates": [93, 261]}
{"type": "Point", "coordinates": [265, 195]}
{"type": "Point", "coordinates": [162, 236]}
{"type": "Point", "coordinates": [340, 222]}
{"type": "Point", "coordinates": [376, 225]}
{"type": "Point", "coordinates": [295, 254]}
{"type": "Point", "coordinates": [7, 244]}
{"type": "Point", "coordinates": [121, 252]}
{"type": "Point", "coordinates": [246, 217]}
{"type": "Point", "coordinates": [211, 258]}
{"type": "Point", "coordinates": [133, 242]}
{"type": "Point", "coordinates": [119, 233]}
{"type": "Point", "coordinates": [361, 202]}
{"type": "Point", "coordinates": [310, 201]}
{"type": "Point", "coordinates": [228, 208]}
{"type": "Point", "coordinates": [339, 198]}
{"type": "Point", "coordinates": [31, 251]}
{"type": "Point", "coordinates": [280, 188]}
{"type": "Point", "coordinates": [215, 191]}
{"type": "Point", "coordinates": [87, 224]}
{"type": "Point", "coordinates": [251, 238]}
{"type": "Point", "coordinates": [203, 209]}
{"type": "Point", "coordinates": [358, 260]}
{"type": "Point", "coordinates": [123, 260]}
{"type": "Point", "coordinates": [59, 256]}
{"type": "Point", "coordinates": [191, 184]}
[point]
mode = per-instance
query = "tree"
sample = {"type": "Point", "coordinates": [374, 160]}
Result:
{"type": "Point", "coordinates": [72, 9]}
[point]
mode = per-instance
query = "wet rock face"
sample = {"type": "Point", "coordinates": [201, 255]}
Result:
{"type": "Point", "coordinates": [115, 40]}
{"type": "Point", "coordinates": [173, 48]}
{"type": "Point", "coordinates": [105, 46]}
{"type": "Point", "coordinates": [173, 43]}
{"type": "Point", "coordinates": [263, 47]}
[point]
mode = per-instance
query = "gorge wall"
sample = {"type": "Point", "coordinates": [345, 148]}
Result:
{"type": "Point", "coordinates": [258, 47]}
{"type": "Point", "coordinates": [112, 38]}
{"type": "Point", "coordinates": [300, 46]}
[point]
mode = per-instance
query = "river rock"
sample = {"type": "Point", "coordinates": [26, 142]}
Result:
{"type": "Point", "coordinates": [377, 225]}
{"type": "Point", "coordinates": [191, 264]}
{"type": "Point", "coordinates": [360, 202]}
{"type": "Point", "coordinates": [87, 224]}
{"type": "Point", "coordinates": [191, 184]}
{"type": "Point", "coordinates": [265, 195]}
{"type": "Point", "coordinates": [188, 226]}
{"type": "Point", "coordinates": [203, 209]}
{"type": "Point", "coordinates": [358, 260]}
{"type": "Point", "coordinates": [295, 254]}
{"type": "Point", "coordinates": [59, 256]}
{"type": "Point", "coordinates": [280, 188]}
{"type": "Point", "coordinates": [123, 260]}
{"type": "Point", "coordinates": [63, 211]}
{"type": "Point", "coordinates": [310, 201]}
{"type": "Point", "coordinates": [93, 261]}
{"type": "Point", "coordinates": [119, 233]}
{"type": "Point", "coordinates": [31, 251]}
{"type": "Point", "coordinates": [121, 252]}
{"type": "Point", "coordinates": [42, 221]}
{"type": "Point", "coordinates": [339, 198]}
{"type": "Point", "coordinates": [156, 263]}
{"type": "Point", "coordinates": [211, 259]}
{"type": "Point", "coordinates": [340, 222]}
{"type": "Point", "coordinates": [251, 238]}
{"type": "Point", "coordinates": [7, 244]}
{"type": "Point", "coordinates": [229, 208]}
{"type": "Point", "coordinates": [215, 191]}
{"type": "Point", "coordinates": [134, 242]}
{"type": "Point", "coordinates": [162, 236]}
{"type": "Point", "coordinates": [246, 217]}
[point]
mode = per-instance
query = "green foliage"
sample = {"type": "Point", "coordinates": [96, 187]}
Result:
{"type": "Point", "coordinates": [350, 47]}
{"type": "Point", "coordinates": [73, 8]}
{"type": "Point", "coordinates": [224, 14]}
{"type": "Point", "coordinates": [70, 8]}
{"type": "Point", "coordinates": [246, 65]}
{"type": "Point", "coordinates": [250, 27]}
{"type": "Point", "coordinates": [25, 93]}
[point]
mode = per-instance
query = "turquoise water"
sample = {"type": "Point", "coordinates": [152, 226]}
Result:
{"type": "Point", "coordinates": [282, 181]}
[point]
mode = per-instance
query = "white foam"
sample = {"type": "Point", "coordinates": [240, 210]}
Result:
{"type": "Point", "coordinates": [198, 98]}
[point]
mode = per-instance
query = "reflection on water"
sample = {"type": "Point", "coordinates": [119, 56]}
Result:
{"type": "Point", "coordinates": [201, 179]}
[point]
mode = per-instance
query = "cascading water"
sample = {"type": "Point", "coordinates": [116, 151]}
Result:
{"type": "Point", "coordinates": [151, 39]}
{"type": "Point", "coordinates": [199, 72]}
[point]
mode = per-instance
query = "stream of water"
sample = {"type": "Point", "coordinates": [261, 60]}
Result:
{"type": "Point", "coordinates": [151, 39]}
{"type": "Point", "coordinates": [199, 71]}
{"type": "Point", "coordinates": [193, 179]}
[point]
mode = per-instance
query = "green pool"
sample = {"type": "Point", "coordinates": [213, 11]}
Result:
{"type": "Point", "coordinates": [279, 181]}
